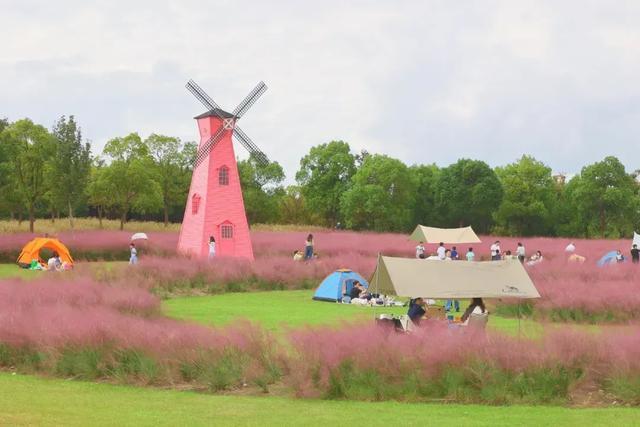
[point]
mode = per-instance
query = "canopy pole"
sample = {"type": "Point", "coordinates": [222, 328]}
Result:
{"type": "Point", "coordinates": [519, 330]}
{"type": "Point", "coordinates": [377, 273]}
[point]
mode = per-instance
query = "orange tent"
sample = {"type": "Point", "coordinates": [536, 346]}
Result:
{"type": "Point", "coordinates": [31, 250]}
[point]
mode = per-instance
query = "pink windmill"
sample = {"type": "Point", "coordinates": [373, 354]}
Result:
{"type": "Point", "coordinates": [215, 206]}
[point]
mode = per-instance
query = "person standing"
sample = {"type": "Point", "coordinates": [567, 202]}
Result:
{"type": "Point", "coordinates": [470, 255]}
{"type": "Point", "coordinates": [495, 251]}
{"type": "Point", "coordinates": [521, 253]}
{"type": "Point", "coordinates": [133, 258]}
{"type": "Point", "coordinates": [635, 254]}
{"type": "Point", "coordinates": [308, 247]}
{"type": "Point", "coordinates": [441, 251]}
{"type": "Point", "coordinates": [420, 250]}
{"type": "Point", "coordinates": [212, 247]}
{"type": "Point", "coordinates": [454, 254]}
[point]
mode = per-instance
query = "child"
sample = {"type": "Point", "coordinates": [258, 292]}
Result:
{"type": "Point", "coordinates": [212, 247]}
{"type": "Point", "coordinates": [470, 255]}
{"type": "Point", "coordinates": [420, 250]}
{"type": "Point", "coordinates": [133, 259]}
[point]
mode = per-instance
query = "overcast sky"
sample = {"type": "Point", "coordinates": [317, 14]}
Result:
{"type": "Point", "coordinates": [422, 81]}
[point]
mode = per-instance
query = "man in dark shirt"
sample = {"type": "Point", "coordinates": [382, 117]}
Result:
{"type": "Point", "coordinates": [417, 309]}
{"type": "Point", "coordinates": [356, 290]}
{"type": "Point", "coordinates": [635, 254]}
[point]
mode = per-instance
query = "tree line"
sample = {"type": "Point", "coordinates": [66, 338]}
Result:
{"type": "Point", "coordinates": [52, 173]}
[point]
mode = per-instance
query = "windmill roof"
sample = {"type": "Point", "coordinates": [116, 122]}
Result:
{"type": "Point", "coordinates": [215, 112]}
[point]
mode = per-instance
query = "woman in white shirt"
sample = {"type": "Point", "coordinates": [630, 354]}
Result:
{"type": "Point", "coordinates": [476, 307]}
{"type": "Point", "coordinates": [54, 263]}
{"type": "Point", "coordinates": [212, 247]}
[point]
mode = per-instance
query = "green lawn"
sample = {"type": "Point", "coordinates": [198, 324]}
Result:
{"type": "Point", "coordinates": [295, 308]}
{"type": "Point", "coordinates": [27, 400]}
{"type": "Point", "coordinates": [12, 270]}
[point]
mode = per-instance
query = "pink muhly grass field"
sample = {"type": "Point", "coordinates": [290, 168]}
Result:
{"type": "Point", "coordinates": [319, 354]}
{"type": "Point", "coordinates": [93, 240]}
{"type": "Point", "coordinates": [562, 284]}
{"type": "Point", "coordinates": [53, 312]}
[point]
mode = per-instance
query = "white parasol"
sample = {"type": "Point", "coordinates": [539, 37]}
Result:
{"type": "Point", "coordinates": [139, 236]}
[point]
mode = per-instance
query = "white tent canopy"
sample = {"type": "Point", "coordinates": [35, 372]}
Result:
{"type": "Point", "coordinates": [636, 239]}
{"type": "Point", "coordinates": [410, 277]}
{"type": "Point", "coordinates": [445, 235]}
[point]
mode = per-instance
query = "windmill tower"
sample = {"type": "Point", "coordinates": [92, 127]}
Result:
{"type": "Point", "coordinates": [215, 206]}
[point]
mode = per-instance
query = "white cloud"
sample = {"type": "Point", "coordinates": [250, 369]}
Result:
{"type": "Point", "coordinates": [422, 81]}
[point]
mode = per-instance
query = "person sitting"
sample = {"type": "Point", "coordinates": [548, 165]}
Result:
{"type": "Point", "coordinates": [476, 307]}
{"type": "Point", "coordinates": [298, 256]}
{"type": "Point", "coordinates": [359, 294]}
{"type": "Point", "coordinates": [417, 310]}
{"type": "Point", "coordinates": [619, 256]}
{"type": "Point", "coordinates": [54, 263]}
{"type": "Point", "coordinates": [508, 255]}
{"type": "Point", "coordinates": [535, 258]}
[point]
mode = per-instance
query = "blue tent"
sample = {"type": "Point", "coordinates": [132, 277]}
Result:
{"type": "Point", "coordinates": [337, 284]}
{"type": "Point", "coordinates": [608, 258]}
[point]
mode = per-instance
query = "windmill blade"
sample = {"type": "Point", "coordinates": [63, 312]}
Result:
{"type": "Point", "coordinates": [204, 152]}
{"type": "Point", "coordinates": [202, 96]}
{"type": "Point", "coordinates": [250, 100]}
{"type": "Point", "coordinates": [251, 147]}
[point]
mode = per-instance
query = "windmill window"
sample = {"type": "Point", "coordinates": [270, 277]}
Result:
{"type": "Point", "coordinates": [223, 176]}
{"type": "Point", "coordinates": [226, 231]}
{"type": "Point", "coordinates": [195, 203]}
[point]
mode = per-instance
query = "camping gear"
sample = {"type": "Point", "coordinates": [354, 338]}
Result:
{"type": "Point", "coordinates": [608, 258]}
{"type": "Point", "coordinates": [32, 249]}
{"type": "Point", "coordinates": [577, 258]}
{"type": "Point", "coordinates": [337, 284]}
{"type": "Point", "coordinates": [412, 277]}
{"type": "Point", "coordinates": [444, 235]}
{"type": "Point", "coordinates": [139, 236]}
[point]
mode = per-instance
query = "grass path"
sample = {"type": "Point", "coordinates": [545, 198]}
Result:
{"type": "Point", "coordinates": [26, 400]}
{"type": "Point", "coordinates": [295, 308]}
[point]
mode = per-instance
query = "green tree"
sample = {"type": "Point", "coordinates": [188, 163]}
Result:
{"type": "Point", "coordinates": [381, 196]}
{"type": "Point", "coordinates": [98, 190]}
{"type": "Point", "coordinates": [468, 192]}
{"type": "Point", "coordinates": [170, 163]}
{"type": "Point", "coordinates": [529, 198]}
{"type": "Point", "coordinates": [70, 166]}
{"type": "Point", "coordinates": [324, 176]}
{"type": "Point", "coordinates": [261, 189]}
{"type": "Point", "coordinates": [426, 177]}
{"type": "Point", "coordinates": [606, 196]}
{"type": "Point", "coordinates": [130, 177]}
{"type": "Point", "coordinates": [293, 208]}
{"type": "Point", "coordinates": [29, 147]}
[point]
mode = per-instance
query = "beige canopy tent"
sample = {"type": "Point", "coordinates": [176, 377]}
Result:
{"type": "Point", "coordinates": [445, 235]}
{"type": "Point", "coordinates": [410, 277]}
